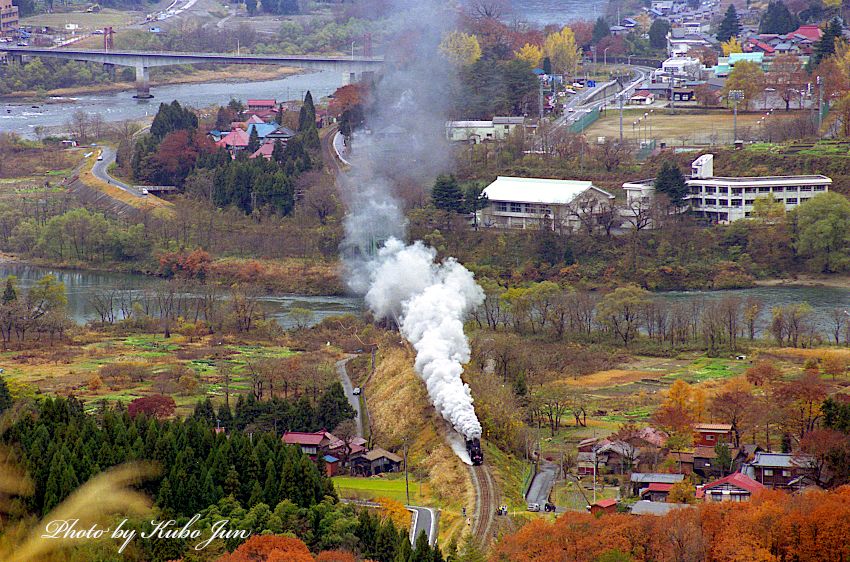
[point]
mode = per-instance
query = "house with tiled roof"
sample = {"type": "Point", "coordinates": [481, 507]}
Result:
{"type": "Point", "coordinates": [656, 492]}
{"type": "Point", "coordinates": [641, 480]}
{"type": "Point", "coordinates": [256, 105]}
{"type": "Point", "coordinates": [603, 506]}
{"type": "Point", "coordinates": [311, 443]}
{"type": "Point", "coordinates": [736, 487]}
{"type": "Point", "coordinates": [376, 461]}
{"type": "Point", "coordinates": [777, 470]}
{"type": "Point", "coordinates": [710, 434]}
{"type": "Point", "coordinates": [237, 139]}
{"type": "Point", "coordinates": [265, 151]}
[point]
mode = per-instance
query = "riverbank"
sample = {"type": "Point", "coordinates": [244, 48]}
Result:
{"type": "Point", "coordinates": [808, 280]}
{"type": "Point", "coordinates": [227, 74]}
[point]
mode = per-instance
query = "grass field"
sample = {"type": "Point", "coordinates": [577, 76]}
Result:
{"type": "Point", "coordinates": [389, 486]}
{"type": "Point", "coordinates": [566, 494]}
{"type": "Point", "coordinates": [87, 22]}
{"type": "Point", "coordinates": [711, 127]}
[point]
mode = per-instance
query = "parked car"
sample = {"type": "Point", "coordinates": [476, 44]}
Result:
{"type": "Point", "coordinates": [100, 157]}
{"type": "Point", "coordinates": [356, 391]}
{"type": "Point", "coordinates": [534, 507]}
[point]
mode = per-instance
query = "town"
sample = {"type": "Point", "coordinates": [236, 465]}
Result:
{"type": "Point", "coordinates": [378, 280]}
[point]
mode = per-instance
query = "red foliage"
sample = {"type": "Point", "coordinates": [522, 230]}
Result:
{"type": "Point", "coordinates": [270, 548]}
{"type": "Point", "coordinates": [155, 405]}
{"type": "Point", "coordinates": [809, 527]}
{"type": "Point", "coordinates": [177, 153]}
{"type": "Point", "coordinates": [615, 44]}
{"type": "Point", "coordinates": [194, 265]}
{"type": "Point", "coordinates": [346, 97]}
{"type": "Point", "coordinates": [583, 31]}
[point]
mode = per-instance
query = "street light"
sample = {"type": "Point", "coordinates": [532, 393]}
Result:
{"type": "Point", "coordinates": [352, 49]}
{"type": "Point", "coordinates": [605, 56]}
{"type": "Point", "coordinates": [736, 96]}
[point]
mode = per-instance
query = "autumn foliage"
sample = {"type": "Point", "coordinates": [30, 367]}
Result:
{"type": "Point", "coordinates": [192, 265]}
{"type": "Point", "coordinates": [156, 405]}
{"type": "Point", "coordinates": [773, 527]}
{"type": "Point", "coordinates": [270, 548]}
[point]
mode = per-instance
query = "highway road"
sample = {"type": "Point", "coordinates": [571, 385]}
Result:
{"type": "Point", "coordinates": [101, 171]}
{"type": "Point", "coordinates": [581, 106]}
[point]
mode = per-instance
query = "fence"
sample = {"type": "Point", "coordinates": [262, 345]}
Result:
{"type": "Point", "coordinates": [584, 121]}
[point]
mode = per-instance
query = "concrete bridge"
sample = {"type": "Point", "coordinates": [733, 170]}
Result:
{"type": "Point", "coordinates": [142, 61]}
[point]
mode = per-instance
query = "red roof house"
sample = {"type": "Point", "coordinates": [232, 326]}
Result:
{"type": "Point", "coordinates": [310, 443]}
{"type": "Point", "coordinates": [736, 487]}
{"type": "Point", "coordinates": [264, 151]}
{"type": "Point", "coordinates": [811, 32]}
{"type": "Point", "coordinates": [261, 104]}
{"type": "Point", "coordinates": [656, 492]}
{"type": "Point", "coordinates": [254, 119]}
{"type": "Point", "coordinates": [237, 139]}
{"type": "Point", "coordinates": [604, 506]}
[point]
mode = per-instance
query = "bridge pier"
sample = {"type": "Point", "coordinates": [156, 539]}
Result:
{"type": "Point", "coordinates": [143, 86]}
{"type": "Point", "coordinates": [109, 68]}
{"type": "Point", "coordinates": [349, 78]}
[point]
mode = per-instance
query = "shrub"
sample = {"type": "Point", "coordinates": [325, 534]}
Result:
{"type": "Point", "coordinates": [156, 405]}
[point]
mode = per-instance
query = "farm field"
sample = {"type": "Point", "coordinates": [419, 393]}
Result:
{"type": "Point", "coordinates": [385, 486]}
{"type": "Point", "coordinates": [149, 361]}
{"type": "Point", "coordinates": [706, 127]}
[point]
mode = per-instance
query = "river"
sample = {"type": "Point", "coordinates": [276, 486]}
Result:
{"type": "Point", "coordinates": [560, 12]}
{"type": "Point", "coordinates": [22, 118]}
{"type": "Point", "coordinates": [80, 285]}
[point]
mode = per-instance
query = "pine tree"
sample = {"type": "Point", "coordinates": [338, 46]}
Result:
{"type": "Point", "coordinates": [231, 482]}
{"type": "Point", "coordinates": [422, 551]}
{"type": "Point", "coordinates": [333, 407]}
{"type": "Point", "coordinates": [10, 293]}
{"type": "Point", "coordinates": [307, 115]}
{"type": "Point", "coordinates": [253, 141]}
{"type": "Point", "coordinates": [547, 65]}
{"type": "Point", "coordinates": [730, 26]}
{"type": "Point", "coordinates": [278, 152]}
{"type": "Point", "coordinates": [601, 30]}
{"type": "Point", "coordinates": [204, 411]}
{"type": "Point", "coordinates": [271, 489]}
{"type": "Point", "coordinates": [225, 418]}
{"type": "Point", "coordinates": [826, 46]}
{"type": "Point", "coordinates": [671, 182]}
{"type": "Point", "coordinates": [251, 6]}
{"type": "Point", "coordinates": [256, 495]}
{"type": "Point", "coordinates": [778, 19]}
{"type": "Point", "coordinates": [385, 542]}
{"type": "Point", "coordinates": [5, 396]}
{"type": "Point", "coordinates": [447, 195]}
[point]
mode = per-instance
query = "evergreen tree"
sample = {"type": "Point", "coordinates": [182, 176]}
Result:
{"type": "Point", "coordinates": [251, 6]}
{"type": "Point", "coordinates": [601, 30]}
{"type": "Point", "coordinates": [253, 141]}
{"type": "Point", "coordinates": [5, 396]}
{"type": "Point", "coordinates": [385, 542]}
{"type": "Point", "coordinates": [333, 407]}
{"type": "Point", "coordinates": [231, 482]}
{"type": "Point", "coordinates": [730, 26]}
{"type": "Point", "coordinates": [826, 46]}
{"type": "Point", "coordinates": [778, 19]}
{"type": "Point", "coordinates": [225, 418]}
{"type": "Point", "coordinates": [547, 65]}
{"type": "Point", "coordinates": [204, 411]}
{"type": "Point", "coordinates": [447, 195]}
{"type": "Point", "coordinates": [307, 115]}
{"type": "Point", "coordinates": [172, 117]}
{"type": "Point", "coordinates": [10, 293]}
{"type": "Point", "coordinates": [422, 551]}
{"type": "Point", "coordinates": [658, 33]}
{"type": "Point", "coordinates": [278, 151]}
{"type": "Point", "coordinates": [288, 7]}
{"type": "Point", "coordinates": [271, 488]}
{"type": "Point", "coordinates": [671, 183]}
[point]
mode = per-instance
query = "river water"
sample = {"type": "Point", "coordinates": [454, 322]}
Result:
{"type": "Point", "coordinates": [22, 118]}
{"type": "Point", "coordinates": [80, 285]}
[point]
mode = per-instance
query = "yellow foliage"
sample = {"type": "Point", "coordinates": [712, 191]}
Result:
{"type": "Point", "coordinates": [731, 46]}
{"type": "Point", "coordinates": [460, 48]}
{"type": "Point", "coordinates": [531, 54]}
{"type": "Point", "coordinates": [395, 511]}
{"type": "Point", "coordinates": [561, 49]}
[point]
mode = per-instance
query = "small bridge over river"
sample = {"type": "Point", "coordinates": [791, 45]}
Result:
{"type": "Point", "coordinates": [351, 67]}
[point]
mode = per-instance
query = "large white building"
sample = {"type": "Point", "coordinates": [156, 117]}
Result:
{"type": "Point", "coordinates": [480, 131]}
{"type": "Point", "coordinates": [723, 199]}
{"type": "Point", "coordinates": [537, 203]}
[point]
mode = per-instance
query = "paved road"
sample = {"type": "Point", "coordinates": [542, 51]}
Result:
{"type": "Point", "coordinates": [424, 521]}
{"type": "Point", "coordinates": [348, 387]}
{"type": "Point", "coordinates": [101, 167]}
{"type": "Point", "coordinates": [581, 106]}
{"type": "Point", "coordinates": [542, 484]}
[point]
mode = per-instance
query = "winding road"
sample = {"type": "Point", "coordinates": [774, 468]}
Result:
{"type": "Point", "coordinates": [101, 171]}
{"type": "Point", "coordinates": [348, 387]}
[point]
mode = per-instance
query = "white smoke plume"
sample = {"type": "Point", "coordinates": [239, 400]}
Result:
{"type": "Point", "coordinates": [404, 146]}
{"type": "Point", "coordinates": [429, 301]}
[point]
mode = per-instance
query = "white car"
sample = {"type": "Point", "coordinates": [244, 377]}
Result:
{"type": "Point", "coordinates": [577, 85]}
{"type": "Point", "coordinates": [100, 157]}
{"type": "Point", "coordinates": [534, 507]}
{"type": "Point", "coordinates": [356, 391]}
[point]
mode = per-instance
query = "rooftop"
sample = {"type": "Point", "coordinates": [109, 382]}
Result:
{"type": "Point", "coordinates": [606, 503]}
{"type": "Point", "coordinates": [538, 190]}
{"type": "Point", "coordinates": [736, 480]}
{"type": "Point", "coordinates": [646, 507]}
{"type": "Point", "coordinates": [650, 477]}
{"type": "Point", "coordinates": [303, 438]}
{"type": "Point", "coordinates": [377, 453]}
{"type": "Point", "coordinates": [713, 427]}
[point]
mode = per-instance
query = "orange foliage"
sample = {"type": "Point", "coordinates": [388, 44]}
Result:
{"type": "Point", "coordinates": [395, 511]}
{"type": "Point", "coordinates": [270, 548]}
{"type": "Point", "coordinates": [194, 265]}
{"type": "Point", "coordinates": [347, 97]}
{"type": "Point", "coordinates": [774, 526]}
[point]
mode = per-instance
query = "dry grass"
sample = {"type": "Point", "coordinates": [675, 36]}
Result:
{"type": "Point", "coordinates": [799, 354]}
{"type": "Point", "coordinates": [715, 126]}
{"type": "Point", "coordinates": [87, 22]}
{"type": "Point", "coordinates": [611, 377]}
{"type": "Point", "coordinates": [399, 409]}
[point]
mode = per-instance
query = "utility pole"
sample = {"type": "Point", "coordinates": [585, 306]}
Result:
{"type": "Point", "coordinates": [540, 98]}
{"type": "Point", "coordinates": [820, 102]}
{"type": "Point", "coordinates": [620, 95]}
{"type": "Point", "coordinates": [406, 482]}
{"type": "Point", "coordinates": [736, 96]}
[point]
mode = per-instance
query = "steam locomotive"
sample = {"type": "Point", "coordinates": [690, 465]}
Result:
{"type": "Point", "coordinates": [473, 447]}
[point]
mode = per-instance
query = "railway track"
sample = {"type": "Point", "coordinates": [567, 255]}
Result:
{"type": "Point", "coordinates": [486, 504]}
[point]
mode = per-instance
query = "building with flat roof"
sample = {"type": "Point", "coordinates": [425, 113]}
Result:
{"type": "Point", "coordinates": [8, 19]}
{"type": "Point", "coordinates": [727, 199]}
{"type": "Point", "coordinates": [497, 129]}
{"type": "Point", "coordinates": [536, 203]}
